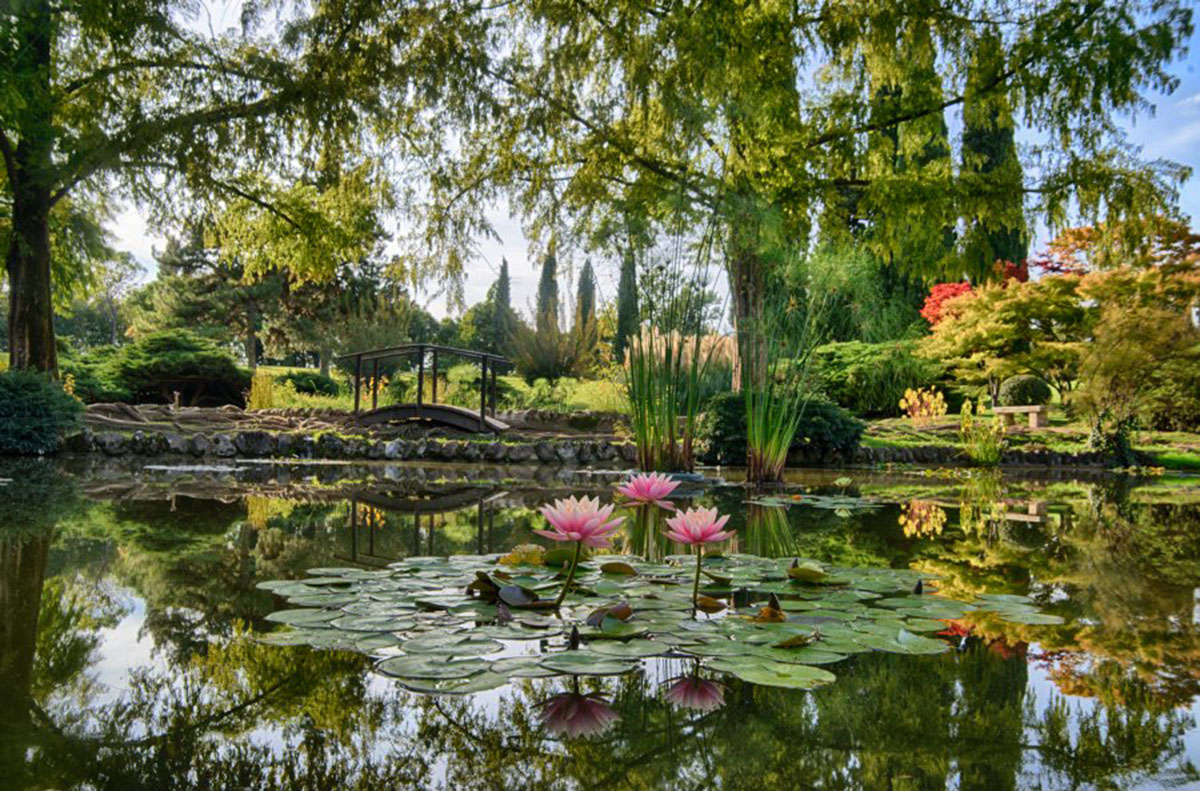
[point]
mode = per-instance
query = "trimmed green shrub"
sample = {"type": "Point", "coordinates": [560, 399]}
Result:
{"type": "Point", "coordinates": [825, 430]}
{"type": "Point", "coordinates": [310, 382]}
{"type": "Point", "coordinates": [158, 365]}
{"type": "Point", "coordinates": [93, 375]}
{"type": "Point", "coordinates": [871, 378]}
{"type": "Point", "coordinates": [35, 413]}
{"type": "Point", "coordinates": [1024, 390]}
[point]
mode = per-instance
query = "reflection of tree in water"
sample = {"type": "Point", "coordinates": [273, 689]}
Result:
{"type": "Point", "coordinates": [226, 713]}
{"type": "Point", "coordinates": [1120, 572]}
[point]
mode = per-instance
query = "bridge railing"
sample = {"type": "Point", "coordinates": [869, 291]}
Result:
{"type": "Point", "coordinates": [488, 365]}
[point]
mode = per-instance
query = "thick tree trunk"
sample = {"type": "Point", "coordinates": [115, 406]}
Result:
{"type": "Point", "coordinates": [747, 283]}
{"type": "Point", "coordinates": [31, 340]}
{"type": "Point", "coordinates": [22, 570]}
{"type": "Point", "coordinates": [29, 163]}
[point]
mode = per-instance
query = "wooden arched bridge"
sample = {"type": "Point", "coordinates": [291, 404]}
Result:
{"type": "Point", "coordinates": [428, 411]}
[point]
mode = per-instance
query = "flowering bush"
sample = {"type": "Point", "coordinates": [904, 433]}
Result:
{"type": "Point", "coordinates": [983, 442]}
{"type": "Point", "coordinates": [923, 405]}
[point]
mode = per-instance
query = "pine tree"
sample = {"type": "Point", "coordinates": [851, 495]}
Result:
{"type": "Point", "coordinates": [995, 231]}
{"type": "Point", "coordinates": [627, 306]}
{"type": "Point", "coordinates": [547, 296]}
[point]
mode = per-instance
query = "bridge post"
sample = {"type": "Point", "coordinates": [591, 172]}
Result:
{"type": "Point", "coordinates": [493, 392]}
{"type": "Point", "coordinates": [357, 379]}
{"type": "Point", "coordinates": [483, 390]}
{"type": "Point", "coordinates": [435, 367]}
{"type": "Point", "coordinates": [375, 383]}
{"type": "Point", "coordinates": [420, 377]}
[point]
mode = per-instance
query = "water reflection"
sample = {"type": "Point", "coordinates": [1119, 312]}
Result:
{"type": "Point", "coordinates": [125, 660]}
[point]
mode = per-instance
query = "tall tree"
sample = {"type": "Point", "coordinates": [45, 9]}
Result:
{"type": "Point", "coordinates": [547, 296]}
{"type": "Point", "coordinates": [995, 230]}
{"type": "Point", "coordinates": [732, 111]}
{"type": "Point", "coordinates": [627, 306]}
{"type": "Point", "coordinates": [585, 301]}
{"type": "Point", "coordinates": [134, 98]}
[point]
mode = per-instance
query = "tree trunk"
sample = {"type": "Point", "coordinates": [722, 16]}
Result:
{"type": "Point", "coordinates": [30, 167]}
{"type": "Point", "coordinates": [747, 283]}
{"type": "Point", "coordinates": [31, 340]}
{"type": "Point", "coordinates": [325, 354]}
{"type": "Point", "coordinates": [250, 339]}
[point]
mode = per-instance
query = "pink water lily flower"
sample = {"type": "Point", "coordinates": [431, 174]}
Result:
{"type": "Point", "coordinates": [697, 694]}
{"type": "Point", "coordinates": [697, 526]}
{"type": "Point", "coordinates": [573, 714]}
{"type": "Point", "coordinates": [650, 488]}
{"type": "Point", "coordinates": [582, 520]}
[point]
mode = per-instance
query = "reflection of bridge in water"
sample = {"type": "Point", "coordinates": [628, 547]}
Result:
{"type": "Point", "coordinates": [363, 529]}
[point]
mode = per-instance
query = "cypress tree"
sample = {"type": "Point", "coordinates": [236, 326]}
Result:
{"type": "Point", "coordinates": [503, 296]}
{"type": "Point", "coordinates": [627, 306]}
{"type": "Point", "coordinates": [585, 302]}
{"type": "Point", "coordinates": [547, 296]}
{"type": "Point", "coordinates": [503, 320]}
{"type": "Point", "coordinates": [585, 308]}
{"type": "Point", "coordinates": [996, 226]}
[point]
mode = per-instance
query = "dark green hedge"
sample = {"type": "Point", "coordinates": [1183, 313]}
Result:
{"type": "Point", "coordinates": [825, 430]}
{"type": "Point", "coordinates": [35, 413]}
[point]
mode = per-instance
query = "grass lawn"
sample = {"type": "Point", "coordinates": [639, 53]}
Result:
{"type": "Point", "coordinates": [1174, 450]}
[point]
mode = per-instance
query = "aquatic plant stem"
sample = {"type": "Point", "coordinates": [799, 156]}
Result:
{"type": "Point", "coordinates": [562, 594]}
{"type": "Point", "coordinates": [696, 584]}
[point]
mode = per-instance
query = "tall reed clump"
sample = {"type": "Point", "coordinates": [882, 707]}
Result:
{"type": "Point", "coordinates": [776, 383]}
{"type": "Point", "coordinates": [262, 393]}
{"type": "Point", "coordinates": [666, 370]}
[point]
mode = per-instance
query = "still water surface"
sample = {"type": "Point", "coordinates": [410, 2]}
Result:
{"type": "Point", "coordinates": [128, 604]}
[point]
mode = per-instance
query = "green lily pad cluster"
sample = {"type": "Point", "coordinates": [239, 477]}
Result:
{"type": "Point", "coordinates": [465, 624]}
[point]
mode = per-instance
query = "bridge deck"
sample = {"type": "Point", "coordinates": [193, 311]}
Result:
{"type": "Point", "coordinates": [441, 414]}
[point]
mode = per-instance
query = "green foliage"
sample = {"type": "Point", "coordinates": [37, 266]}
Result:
{"type": "Point", "coordinates": [1024, 390]}
{"type": "Point", "coordinates": [310, 383]}
{"type": "Point", "coordinates": [35, 413]}
{"type": "Point", "coordinates": [871, 378]}
{"type": "Point", "coordinates": [96, 380]}
{"type": "Point", "coordinates": [868, 299]}
{"type": "Point", "coordinates": [990, 164]}
{"type": "Point", "coordinates": [156, 366]}
{"type": "Point", "coordinates": [548, 353]}
{"type": "Point", "coordinates": [824, 430]}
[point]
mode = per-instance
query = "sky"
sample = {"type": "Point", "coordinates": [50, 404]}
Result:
{"type": "Point", "coordinates": [1171, 132]}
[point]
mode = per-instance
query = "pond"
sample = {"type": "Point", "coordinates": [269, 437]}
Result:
{"type": "Point", "coordinates": [136, 649]}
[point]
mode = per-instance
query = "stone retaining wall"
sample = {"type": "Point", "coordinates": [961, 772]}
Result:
{"type": "Point", "coordinates": [264, 444]}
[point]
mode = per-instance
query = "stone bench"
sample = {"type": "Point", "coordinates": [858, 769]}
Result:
{"type": "Point", "coordinates": [1037, 414]}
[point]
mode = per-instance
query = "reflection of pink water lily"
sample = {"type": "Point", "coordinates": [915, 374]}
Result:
{"type": "Point", "coordinates": [653, 488]}
{"type": "Point", "coordinates": [696, 693]}
{"type": "Point", "coordinates": [697, 526]}
{"type": "Point", "coordinates": [580, 519]}
{"type": "Point", "coordinates": [573, 714]}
